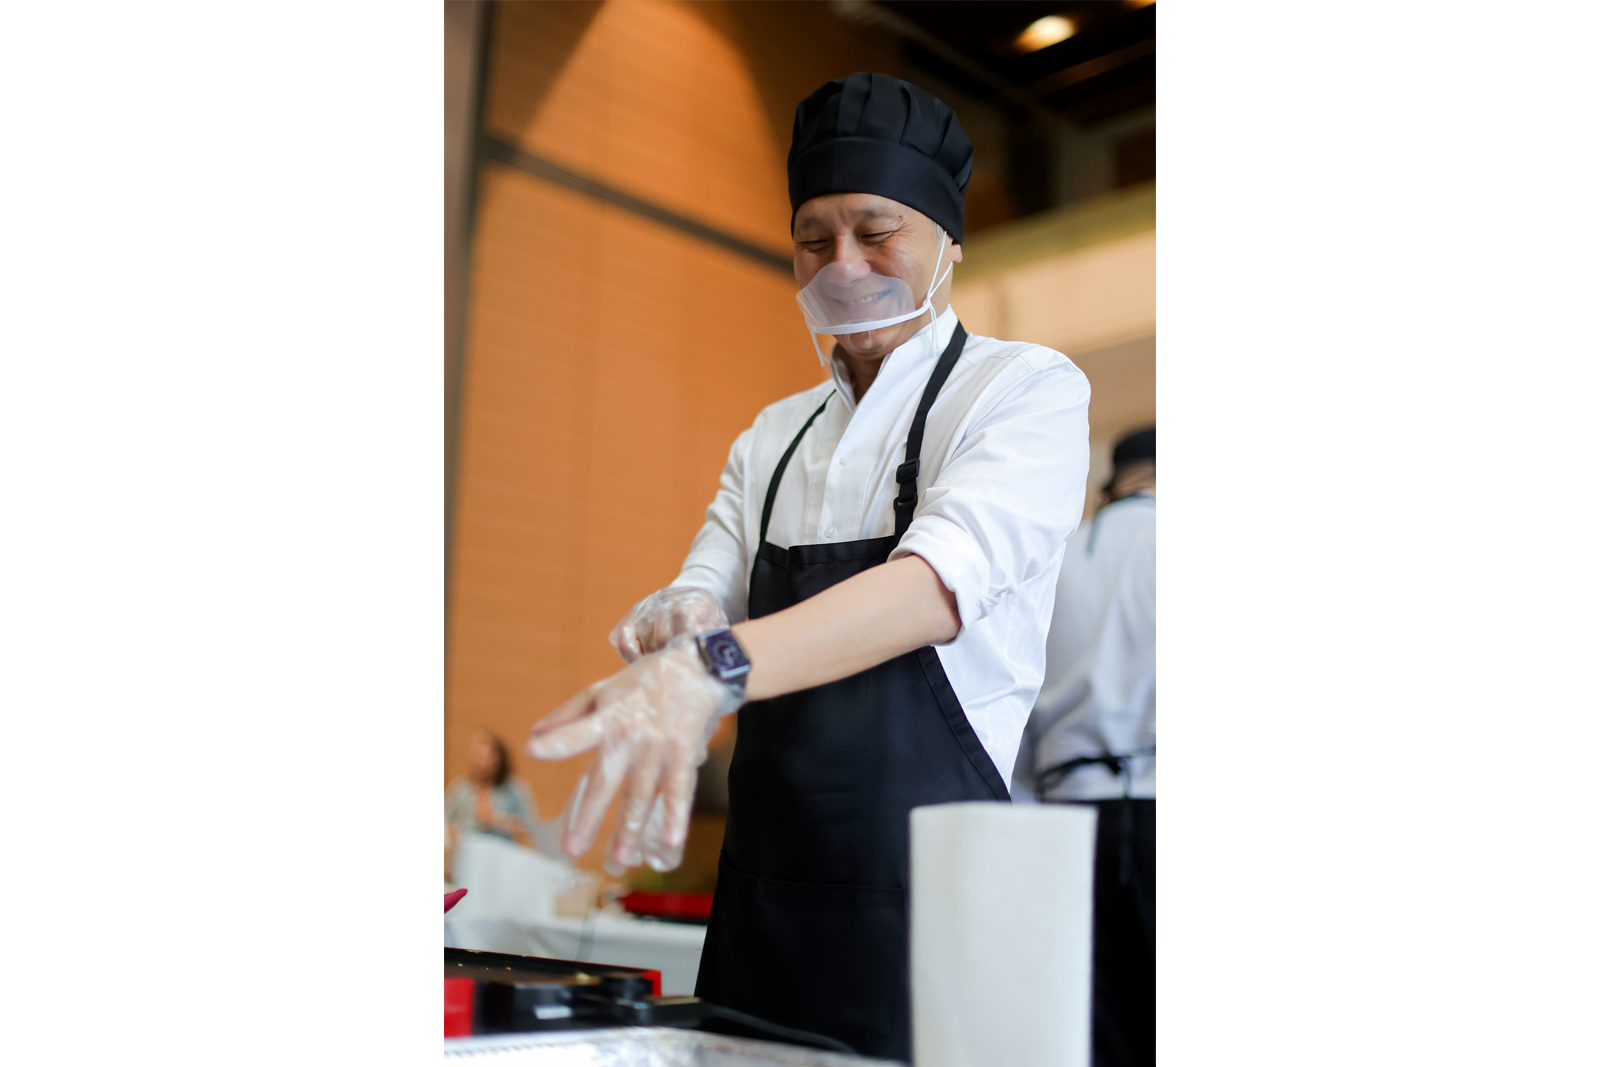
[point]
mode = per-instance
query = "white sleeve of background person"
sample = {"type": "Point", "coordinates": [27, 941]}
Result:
{"type": "Point", "coordinates": [1001, 909]}
{"type": "Point", "coordinates": [1100, 676]}
{"type": "Point", "coordinates": [717, 561]}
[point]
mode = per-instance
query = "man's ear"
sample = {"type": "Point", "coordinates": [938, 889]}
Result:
{"type": "Point", "coordinates": [955, 251]}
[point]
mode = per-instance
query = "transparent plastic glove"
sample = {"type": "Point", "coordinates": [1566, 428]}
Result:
{"type": "Point", "coordinates": [660, 853]}
{"type": "Point", "coordinates": [649, 725]}
{"type": "Point", "coordinates": [663, 615]}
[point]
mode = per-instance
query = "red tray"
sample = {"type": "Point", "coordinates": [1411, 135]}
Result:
{"type": "Point", "coordinates": [684, 907]}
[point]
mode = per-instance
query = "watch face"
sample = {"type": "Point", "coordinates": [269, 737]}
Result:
{"type": "Point", "coordinates": [727, 658]}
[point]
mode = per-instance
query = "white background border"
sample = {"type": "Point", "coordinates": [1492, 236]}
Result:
{"type": "Point", "coordinates": [222, 441]}
{"type": "Point", "coordinates": [222, 451]}
{"type": "Point", "coordinates": [1377, 369]}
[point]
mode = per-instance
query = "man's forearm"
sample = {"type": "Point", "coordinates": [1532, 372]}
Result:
{"type": "Point", "coordinates": [877, 615]}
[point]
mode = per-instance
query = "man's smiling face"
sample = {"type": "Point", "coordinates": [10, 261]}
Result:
{"type": "Point", "coordinates": [868, 234]}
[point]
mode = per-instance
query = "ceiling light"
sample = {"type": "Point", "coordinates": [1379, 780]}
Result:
{"type": "Point", "coordinates": [1052, 29]}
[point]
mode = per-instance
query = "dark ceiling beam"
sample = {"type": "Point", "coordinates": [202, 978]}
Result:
{"type": "Point", "coordinates": [1092, 68]}
{"type": "Point", "coordinates": [867, 13]}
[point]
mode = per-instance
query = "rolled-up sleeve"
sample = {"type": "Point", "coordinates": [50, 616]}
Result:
{"type": "Point", "coordinates": [1011, 492]}
{"type": "Point", "coordinates": [717, 561]}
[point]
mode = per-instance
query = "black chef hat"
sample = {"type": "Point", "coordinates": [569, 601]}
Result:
{"type": "Point", "coordinates": [1141, 444]}
{"type": "Point", "coordinates": [870, 133]}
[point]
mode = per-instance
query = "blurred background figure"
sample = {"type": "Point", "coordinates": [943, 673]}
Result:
{"type": "Point", "coordinates": [1092, 738]}
{"type": "Point", "coordinates": [489, 799]}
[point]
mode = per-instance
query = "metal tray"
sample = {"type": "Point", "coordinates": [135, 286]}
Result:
{"type": "Point", "coordinates": [637, 1046]}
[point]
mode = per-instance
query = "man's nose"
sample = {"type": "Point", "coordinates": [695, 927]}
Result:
{"type": "Point", "coordinates": [848, 263]}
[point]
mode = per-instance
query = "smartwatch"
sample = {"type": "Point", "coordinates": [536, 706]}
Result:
{"type": "Point", "coordinates": [724, 657]}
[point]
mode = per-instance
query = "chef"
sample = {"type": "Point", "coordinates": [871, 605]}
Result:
{"type": "Point", "coordinates": [1092, 739]}
{"type": "Point", "coordinates": [885, 546]}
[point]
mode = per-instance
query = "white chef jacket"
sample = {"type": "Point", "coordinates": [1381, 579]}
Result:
{"type": "Point", "coordinates": [1005, 458]}
{"type": "Point", "coordinates": [1099, 693]}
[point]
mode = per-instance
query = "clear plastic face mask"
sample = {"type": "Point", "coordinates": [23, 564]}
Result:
{"type": "Point", "coordinates": [847, 298]}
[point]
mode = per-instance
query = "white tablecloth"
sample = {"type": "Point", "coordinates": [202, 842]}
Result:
{"type": "Point", "coordinates": [510, 907]}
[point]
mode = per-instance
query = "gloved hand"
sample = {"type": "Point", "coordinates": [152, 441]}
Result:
{"type": "Point", "coordinates": [663, 615]}
{"type": "Point", "coordinates": [650, 724]}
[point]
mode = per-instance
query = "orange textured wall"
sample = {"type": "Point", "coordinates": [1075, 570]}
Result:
{"type": "Point", "coordinates": [611, 360]}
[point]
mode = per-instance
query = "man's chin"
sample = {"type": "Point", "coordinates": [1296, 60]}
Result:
{"type": "Point", "coordinates": [874, 344]}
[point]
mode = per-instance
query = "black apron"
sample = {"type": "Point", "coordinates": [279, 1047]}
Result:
{"type": "Point", "coordinates": [809, 926]}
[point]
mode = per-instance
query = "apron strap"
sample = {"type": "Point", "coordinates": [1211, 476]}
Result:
{"type": "Point", "coordinates": [906, 474]}
{"type": "Point", "coordinates": [783, 464]}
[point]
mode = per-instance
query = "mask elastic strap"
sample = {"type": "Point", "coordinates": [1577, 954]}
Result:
{"type": "Point", "coordinates": [823, 360]}
{"type": "Point", "coordinates": [938, 283]}
{"type": "Point", "coordinates": [927, 301]}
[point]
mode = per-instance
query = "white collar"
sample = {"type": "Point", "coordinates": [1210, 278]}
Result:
{"type": "Point", "coordinates": [918, 352]}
